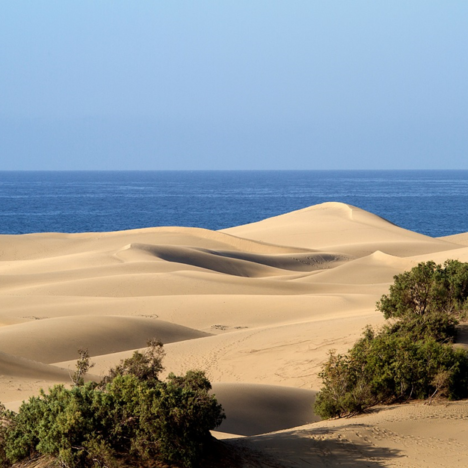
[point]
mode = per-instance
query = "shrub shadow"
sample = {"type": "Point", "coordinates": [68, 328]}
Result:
{"type": "Point", "coordinates": [320, 448]}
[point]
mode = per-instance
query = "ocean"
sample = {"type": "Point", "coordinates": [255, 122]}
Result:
{"type": "Point", "coordinates": [429, 202]}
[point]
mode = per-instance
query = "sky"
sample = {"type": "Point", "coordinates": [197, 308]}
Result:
{"type": "Point", "coordinates": [233, 85]}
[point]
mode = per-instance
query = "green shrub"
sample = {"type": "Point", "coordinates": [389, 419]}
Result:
{"type": "Point", "coordinates": [133, 419]}
{"type": "Point", "coordinates": [344, 389]}
{"type": "Point", "coordinates": [144, 366]}
{"type": "Point", "coordinates": [82, 367]}
{"type": "Point", "coordinates": [428, 288]}
{"type": "Point", "coordinates": [60, 423]}
{"type": "Point", "coordinates": [385, 368]}
{"type": "Point", "coordinates": [6, 419]}
{"type": "Point", "coordinates": [437, 325]}
{"type": "Point", "coordinates": [410, 357]}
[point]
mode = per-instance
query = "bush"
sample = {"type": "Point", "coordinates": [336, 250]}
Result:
{"type": "Point", "coordinates": [144, 366]}
{"type": "Point", "coordinates": [437, 325]}
{"type": "Point", "coordinates": [386, 368]}
{"type": "Point", "coordinates": [133, 419]}
{"type": "Point", "coordinates": [428, 291]}
{"type": "Point", "coordinates": [82, 367]}
{"type": "Point", "coordinates": [6, 419]}
{"type": "Point", "coordinates": [409, 358]}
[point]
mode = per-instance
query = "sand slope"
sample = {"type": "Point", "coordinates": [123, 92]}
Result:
{"type": "Point", "coordinates": [257, 307]}
{"type": "Point", "coordinates": [343, 228]}
{"type": "Point", "coordinates": [59, 339]}
{"type": "Point", "coordinates": [416, 436]}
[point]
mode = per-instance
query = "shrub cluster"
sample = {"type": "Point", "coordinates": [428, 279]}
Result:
{"type": "Point", "coordinates": [130, 419]}
{"type": "Point", "coordinates": [429, 300]}
{"type": "Point", "coordinates": [411, 357]}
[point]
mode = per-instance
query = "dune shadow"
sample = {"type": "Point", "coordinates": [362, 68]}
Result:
{"type": "Point", "coordinates": [253, 409]}
{"type": "Point", "coordinates": [320, 448]}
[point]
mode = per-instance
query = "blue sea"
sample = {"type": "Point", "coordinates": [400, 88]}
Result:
{"type": "Point", "coordinates": [429, 202]}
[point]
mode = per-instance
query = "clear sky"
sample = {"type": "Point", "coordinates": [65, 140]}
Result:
{"type": "Point", "coordinates": [233, 84]}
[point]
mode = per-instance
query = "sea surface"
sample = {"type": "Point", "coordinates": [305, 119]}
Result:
{"type": "Point", "coordinates": [429, 202]}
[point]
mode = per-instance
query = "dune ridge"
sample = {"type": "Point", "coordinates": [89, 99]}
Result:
{"type": "Point", "coordinates": [257, 307]}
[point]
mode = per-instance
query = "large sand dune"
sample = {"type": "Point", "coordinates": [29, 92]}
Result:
{"type": "Point", "coordinates": [257, 307]}
{"type": "Point", "coordinates": [61, 337]}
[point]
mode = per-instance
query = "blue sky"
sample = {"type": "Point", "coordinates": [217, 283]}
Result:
{"type": "Point", "coordinates": [149, 85]}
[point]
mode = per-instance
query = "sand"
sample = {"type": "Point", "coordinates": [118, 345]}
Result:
{"type": "Point", "coordinates": [257, 307]}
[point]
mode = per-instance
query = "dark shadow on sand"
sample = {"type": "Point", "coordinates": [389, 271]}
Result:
{"type": "Point", "coordinates": [319, 448]}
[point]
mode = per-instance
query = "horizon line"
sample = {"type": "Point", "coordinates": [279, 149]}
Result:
{"type": "Point", "coordinates": [233, 170]}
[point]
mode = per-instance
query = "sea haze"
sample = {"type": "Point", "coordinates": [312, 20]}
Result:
{"type": "Point", "coordinates": [429, 202]}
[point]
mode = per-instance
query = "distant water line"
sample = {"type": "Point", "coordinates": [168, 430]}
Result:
{"type": "Point", "coordinates": [429, 202]}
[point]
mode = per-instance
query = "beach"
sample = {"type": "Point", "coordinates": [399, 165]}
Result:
{"type": "Point", "coordinates": [257, 307]}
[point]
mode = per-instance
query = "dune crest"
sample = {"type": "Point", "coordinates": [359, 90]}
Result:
{"type": "Point", "coordinates": [342, 228]}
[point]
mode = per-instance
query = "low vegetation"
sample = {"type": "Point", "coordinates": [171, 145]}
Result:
{"type": "Point", "coordinates": [412, 355]}
{"type": "Point", "coordinates": [131, 418]}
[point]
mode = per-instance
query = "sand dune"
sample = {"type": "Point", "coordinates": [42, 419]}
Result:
{"type": "Point", "coordinates": [460, 254]}
{"type": "Point", "coordinates": [22, 378]}
{"type": "Point", "coordinates": [461, 239]}
{"type": "Point", "coordinates": [218, 313]}
{"type": "Point", "coordinates": [341, 228]}
{"type": "Point", "coordinates": [257, 307]}
{"type": "Point", "coordinates": [15, 366]}
{"type": "Point", "coordinates": [49, 245]}
{"type": "Point", "coordinates": [58, 339]}
{"type": "Point", "coordinates": [375, 268]}
{"type": "Point", "coordinates": [241, 263]}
